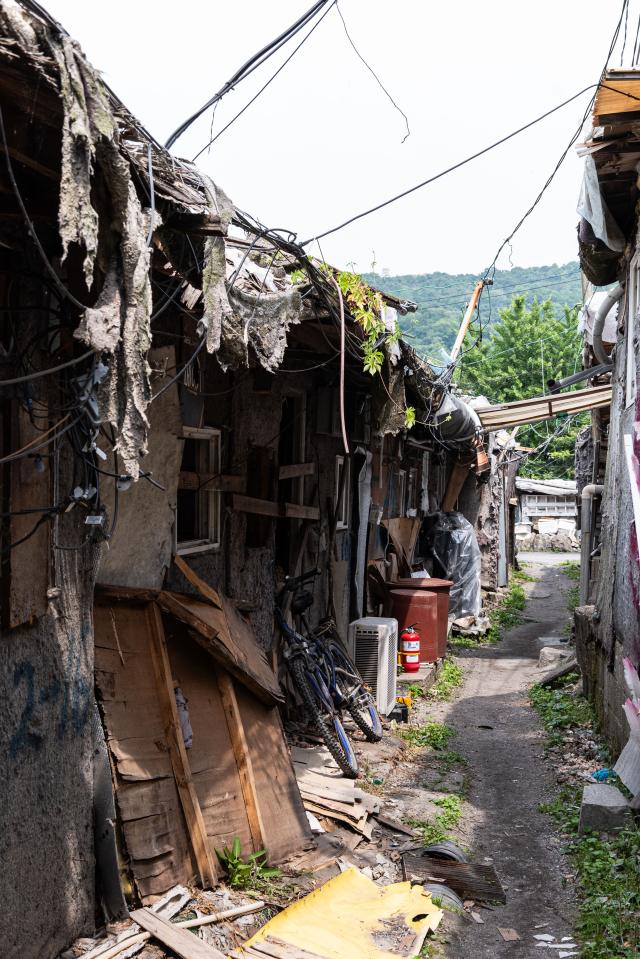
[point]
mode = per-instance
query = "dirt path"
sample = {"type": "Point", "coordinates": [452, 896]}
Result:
{"type": "Point", "coordinates": [501, 740]}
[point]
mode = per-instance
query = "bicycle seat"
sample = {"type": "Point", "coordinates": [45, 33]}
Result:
{"type": "Point", "coordinates": [301, 602]}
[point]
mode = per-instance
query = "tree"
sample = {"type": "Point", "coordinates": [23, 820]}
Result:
{"type": "Point", "coordinates": [527, 347]}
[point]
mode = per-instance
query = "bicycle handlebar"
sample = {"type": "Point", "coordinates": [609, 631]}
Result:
{"type": "Point", "coordinates": [292, 583]}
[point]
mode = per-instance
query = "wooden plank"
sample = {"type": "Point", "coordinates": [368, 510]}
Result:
{"type": "Point", "coordinates": [396, 825]}
{"type": "Point", "coordinates": [179, 760]}
{"type": "Point", "coordinates": [296, 470]}
{"type": "Point", "coordinates": [183, 943]}
{"type": "Point", "coordinates": [207, 591]}
{"type": "Point", "coordinates": [458, 477]}
{"type": "Point", "coordinates": [242, 757]}
{"type": "Point", "coordinates": [265, 507]}
{"type": "Point", "coordinates": [295, 511]}
{"type": "Point", "coordinates": [570, 666]}
{"type": "Point", "coordinates": [250, 504]}
{"type": "Point", "coordinates": [276, 948]}
{"type": "Point", "coordinates": [211, 481]}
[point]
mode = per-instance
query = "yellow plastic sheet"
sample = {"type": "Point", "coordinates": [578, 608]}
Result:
{"type": "Point", "coordinates": [351, 916]}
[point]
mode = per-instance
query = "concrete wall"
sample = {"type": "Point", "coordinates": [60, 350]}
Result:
{"type": "Point", "coordinates": [610, 630]}
{"type": "Point", "coordinates": [46, 782]}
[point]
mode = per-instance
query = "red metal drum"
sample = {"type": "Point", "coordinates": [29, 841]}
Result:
{"type": "Point", "coordinates": [441, 588]}
{"type": "Point", "coordinates": [418, 608]}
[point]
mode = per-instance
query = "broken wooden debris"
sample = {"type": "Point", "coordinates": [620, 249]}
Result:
{"type": "Point", "coordinates": [183, 943]}
{"type": "Point", "coordinates": [509, 935]}
{"type": "Point", "coordinates": [570, 666]}
{"type": "Point", "coordinates": [166, 908]}
{"type": "Point", "coordinates": [326, 793]}
{"type": "Point", "coordinates": [469, 880]}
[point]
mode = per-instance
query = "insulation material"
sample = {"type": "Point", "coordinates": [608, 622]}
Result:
{"type": "Point", "coordinates": [352, 916]}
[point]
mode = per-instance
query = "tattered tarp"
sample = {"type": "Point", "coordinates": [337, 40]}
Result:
{"type": "Point", "coordinates": [555, 487]}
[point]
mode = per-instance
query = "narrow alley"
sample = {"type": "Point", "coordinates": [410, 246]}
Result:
{"type": "Point", "coordinates": [503, 780]}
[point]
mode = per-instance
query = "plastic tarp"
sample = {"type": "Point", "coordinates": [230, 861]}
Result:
{"type": "Point", "coordinates": [351, 916]}
{"type": "Point", "coordinates": [455, 546]}
{"type": "Point", "coordinates": [592, 207]}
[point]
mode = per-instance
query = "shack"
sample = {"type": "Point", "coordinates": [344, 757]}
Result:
{"type": "Point", "coordinates": [186, 421]}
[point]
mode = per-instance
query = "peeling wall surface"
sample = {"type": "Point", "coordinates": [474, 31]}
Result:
{"type": "Point", "coordinates": [140, 551]}
{"type": "Point", "coordinates": [46, 827]}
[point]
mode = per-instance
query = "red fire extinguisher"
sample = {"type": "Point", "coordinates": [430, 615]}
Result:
{"type": "Point", "coordinates": [410, 649]}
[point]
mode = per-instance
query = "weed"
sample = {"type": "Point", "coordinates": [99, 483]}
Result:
{"type": "Point", "coordinates": [571, 569]}
{"type": "Point", "coordinates": [435, 735]}
{"type": "Point", "coordinates": [450, 677]}
{"type": "Point", "coordinates": [560, 709]}
{"type": "Point", "coordinates": [415, 690]}
{"type": "Point", "coordinates": [504, 616]}
{"type": "Point", "coordinates": [447, 759]}
{"type": "Point", "coordinates": [573, 598]}
{"type": "Point", "coordinates": [520, 576]}
{"type": "Point", "coordinates": [607, 884]}
{"type": "Point", "coordinates": [244, 873]}
{"type": "Point", "coordinates": [438, 828]}
{"type": "Point", "coordinates": [466, 642]}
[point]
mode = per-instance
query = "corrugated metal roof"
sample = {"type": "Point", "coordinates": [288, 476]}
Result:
{"type": "Point", "coordinates": [508, 415]}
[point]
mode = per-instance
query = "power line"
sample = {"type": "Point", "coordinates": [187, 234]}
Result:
{"type": "Point", "coordinates": [451, 169]}
{"type": "Point", "coordinates": [374, 74]}
{"type": "Point", "coordinates": [264, 87]}
{"type": "Point", "coordinates": [248, 67]}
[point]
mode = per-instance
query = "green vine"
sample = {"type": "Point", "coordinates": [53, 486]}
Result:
{"type": "Point", "coordinates": [366, 307]}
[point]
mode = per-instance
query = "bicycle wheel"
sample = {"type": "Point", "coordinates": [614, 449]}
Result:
{"type": "Point", "coordinates": [357, 699]}
{"type": "Point", "coordinates": [329, 726]}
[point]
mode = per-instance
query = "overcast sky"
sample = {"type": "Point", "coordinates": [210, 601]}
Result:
{"type": "Point", "coordinates": [323, 142]}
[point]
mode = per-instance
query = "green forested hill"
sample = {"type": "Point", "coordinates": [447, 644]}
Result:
{"type": "Point", "coordinates": [442, 297]}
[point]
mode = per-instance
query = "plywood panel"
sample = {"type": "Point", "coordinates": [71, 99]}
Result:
{"type": "Point", "coordinates": [146, 796]}
{"type": "Point", "coordinates": [211, 758]}
{"type": "Point", "coordinates": [284, 820]}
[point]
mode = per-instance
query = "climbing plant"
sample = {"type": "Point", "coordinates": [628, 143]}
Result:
{"type": "Point", "coordinates": [366, 307]}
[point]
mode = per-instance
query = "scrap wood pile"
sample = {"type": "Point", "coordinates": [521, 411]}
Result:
{"type": "Point", "coordinates": [348, 916]}
{"type": "Point", "coordinates": [193, 925]}
{"type": "Point", "coordinates": [327, 794]}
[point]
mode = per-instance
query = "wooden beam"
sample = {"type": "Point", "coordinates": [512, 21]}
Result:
{"type": "Point", "coordinates": [32, 164]}
{"type": "Point", "coordinates": [211, 481]}
{"type": "Point", "coordinates": [179, 760]}
{"type": "Point", "coordinates": [250, 504]}
{"type": "Point", "coordinates": [295, 511]}
{"type": "Point", "coordinates": [266, 507]}
{"type": "Point", "coordinates": [183, 943]}
{"type": "Point", "coordinates": [207, 591]}
{"type": "Point", "coordinates": [243, 759]}
{"type": "Point", "coordinates": [295, 470]}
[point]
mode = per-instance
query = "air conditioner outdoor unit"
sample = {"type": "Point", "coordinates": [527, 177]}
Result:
{"type": "Point", "coordinates": [373, 643]}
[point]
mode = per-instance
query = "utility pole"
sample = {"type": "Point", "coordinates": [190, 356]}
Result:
{"type": "Point", "coordinates": [466, 320]}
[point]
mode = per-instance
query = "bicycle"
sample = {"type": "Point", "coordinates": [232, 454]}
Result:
{"type": "Point", "coordinates": [326, 678]}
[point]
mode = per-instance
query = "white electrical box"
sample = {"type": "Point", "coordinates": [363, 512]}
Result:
{"type": "Point", "coordinates": [373, 645]}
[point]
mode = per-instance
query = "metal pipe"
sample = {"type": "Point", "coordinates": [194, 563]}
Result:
{"type": "Point", "coordinates": [607, 304]}
{"type": "Point", "coordinates": [586, 517]}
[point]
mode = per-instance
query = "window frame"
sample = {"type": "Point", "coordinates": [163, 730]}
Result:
{"type": "Point", "coordinates": [213, 538]}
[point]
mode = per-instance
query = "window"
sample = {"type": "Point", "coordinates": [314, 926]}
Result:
{"type": "Point", "coordinates": [343, 465]}
{"type": "Point", "coordinates": [199, 502]}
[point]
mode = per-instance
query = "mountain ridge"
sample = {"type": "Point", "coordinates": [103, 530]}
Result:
{"type": "Point", "coordinates": [442, 297]}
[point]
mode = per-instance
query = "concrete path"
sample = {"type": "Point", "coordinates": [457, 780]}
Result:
{"type": "Point", "coordinates": [501, 739]}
